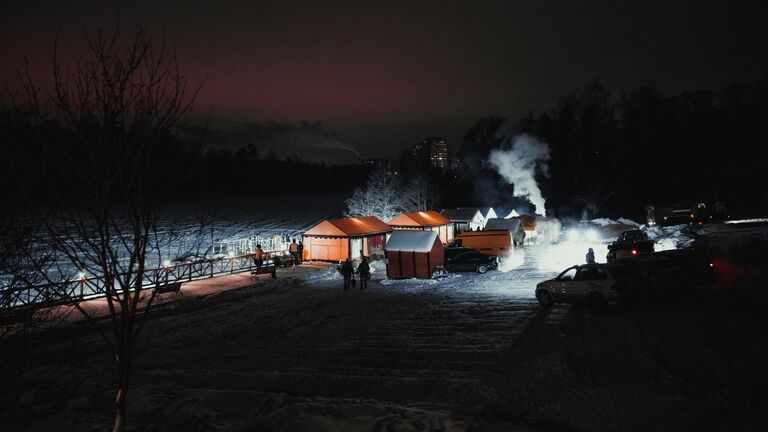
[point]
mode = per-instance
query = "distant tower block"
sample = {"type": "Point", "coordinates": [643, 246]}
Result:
{"type": "Point", "coordinates": [432, 152]}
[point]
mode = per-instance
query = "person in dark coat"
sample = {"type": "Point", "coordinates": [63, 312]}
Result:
{"type": "Point", "coordinates": [258, 257]}
{"type": "Point", "coordinates": [590, 256]}
{"type": "Point", "coordinates": [294, 250]}
{"type": "Point", "coordinates": [364, 270]}
{"type": "Point", "coordinates": [346, 271]}
{"type": "Point", "coordinates": [301, 252]}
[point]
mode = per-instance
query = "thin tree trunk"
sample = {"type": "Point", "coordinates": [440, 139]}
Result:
{"type": "Point", "coordinates": [121, 400]}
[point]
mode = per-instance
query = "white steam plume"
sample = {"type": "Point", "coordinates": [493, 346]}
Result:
{"type": "Point", "coordinates": [518, 167]}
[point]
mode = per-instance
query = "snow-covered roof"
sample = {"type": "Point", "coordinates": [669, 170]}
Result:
{"type": "Point", "coordinates": [486, 212]}
{"type": "Point", "coordinates": [419, 219]}
{"type": "Point", "coordinates": [512, 214]}
{"type": "Point", "coordinates": [351, 226]}
{"type": "Point", "coordinates": [462, 214]}
{"type": "Point", "coordinates": [507, 224]}
{"type": "Point", "coordinates": [411, 241]}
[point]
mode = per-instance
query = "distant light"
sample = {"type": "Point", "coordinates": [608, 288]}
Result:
{"type": "Point", "coordinates": [231, 254]}
{"type": "Point", "coordinates": [574, 235]}
{"type": "Point", "coordinates": [634, 251]}
{"type": "Point", "coordinates": [711, 264]}
{"type": "Point", "coordinates": [591, 235]}
{"type": "Point", "coordinates": [81, 275]}
{"type": "Point", "coordinates": [166, 263]}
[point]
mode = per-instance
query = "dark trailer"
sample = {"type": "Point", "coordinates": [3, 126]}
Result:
{"type": "Point", "coordinates": [685, 213]}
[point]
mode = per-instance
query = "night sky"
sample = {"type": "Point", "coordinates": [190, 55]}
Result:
{"type": "Point", "coordinates": [383, 74]}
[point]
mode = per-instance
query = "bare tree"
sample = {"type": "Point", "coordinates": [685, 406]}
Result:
{"type": "Point", "coordinates": [116, 109]}
{"type": "Point", "coordinates": [420, 194]}
{"type": "Point", "coordinates": [382, 197]}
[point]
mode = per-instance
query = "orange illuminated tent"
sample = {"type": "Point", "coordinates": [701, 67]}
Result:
{"type": "Point", "coordinates": [338, 239]}
{"type": "Point", "coordinates": [429, 220]}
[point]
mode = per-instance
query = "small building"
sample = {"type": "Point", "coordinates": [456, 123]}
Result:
{"type": "Point", "coordinates": [514, 226]}
{"type": "Point", "coordinates": [413, 254]}
{"type": "Point", "coordinates": [464, 219]}
{"type": "Point", "coordinates": [339, 239]}
{"type": "Point", "coordinates": [529, 226]}
{"type": "Point", "coordinates": [429, 220]}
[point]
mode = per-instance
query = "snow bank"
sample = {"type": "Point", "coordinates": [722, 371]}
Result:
{"type": "Point", "coordinates": [670, 237]}
{"type": "Point", "coordinates": [621, 221]}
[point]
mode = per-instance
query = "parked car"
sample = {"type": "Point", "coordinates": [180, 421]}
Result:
{"type": "Point", "coordinates": [671, 271]}
{"type": "Point", "coordinates": [470, 260]}
{"type": "Point", "coordinates": [629, 243]}
{"type": "Point", "coordinates": [597, 284]}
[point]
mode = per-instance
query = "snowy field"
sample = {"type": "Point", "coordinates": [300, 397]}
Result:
{"type": "Point", "coordinates": [463, 352]}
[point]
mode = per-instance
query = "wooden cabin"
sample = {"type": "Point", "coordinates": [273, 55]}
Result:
{"type": "Point", "coordinates": [429, 220]}
{"type": "Point", "coordinates": [338, 239]}
{"type": "Point", "coordinates": [413, 254]}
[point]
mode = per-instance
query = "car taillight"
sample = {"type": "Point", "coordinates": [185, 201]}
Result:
{"type": "Point", "coordinates": [634, 251]}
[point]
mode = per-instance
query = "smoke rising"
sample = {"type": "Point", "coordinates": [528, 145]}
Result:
{"type": "Point", "coordinates": [518, 166]}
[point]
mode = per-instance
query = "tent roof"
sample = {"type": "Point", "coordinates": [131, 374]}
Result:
{"type": "Point", "coordinates": [507, 224]}
{"type": "Point", "coordinates": [411, 241]}
{"type": "Point", "coordinates": [349, 227]}
{"type": "Point", "coordinates": [461, 214]}
{"type": "Point", "coordinates": [425, 219]}
{"type": "Point", "coordinates": [484, 211]}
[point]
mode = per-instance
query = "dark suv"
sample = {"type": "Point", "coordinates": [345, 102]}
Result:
{"type": "Point", "coordinates": [466, 259]}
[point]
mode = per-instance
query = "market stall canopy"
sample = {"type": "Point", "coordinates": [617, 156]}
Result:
{"type": "Point", "coordinates": [349, 227]}
{"type": "Point", "coordinates": [420, 219]}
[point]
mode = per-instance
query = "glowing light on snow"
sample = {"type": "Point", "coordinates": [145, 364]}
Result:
{"type": "Point", "coordinates": [573, 235]}
{"type": "Point", "coordinates": [558, 257]}
{"type": "Point", "coordinates": [513, 259]}
{"type": "Point", "coordinates": [591, 235]}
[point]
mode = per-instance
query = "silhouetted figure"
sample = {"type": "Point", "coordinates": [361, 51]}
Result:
{"type": "Point", "coordinates": [346, 271]}
{"type": "Point", "coordinates": [364, 270]}
{"type": "Point", "coordinates": [294, 250]}
{"type": "Point", "coordinates": [590, 256]}
{"type": "Point", "coordinates": [301, 252]}
{"type": "Point", "coordinates": [258, 257]}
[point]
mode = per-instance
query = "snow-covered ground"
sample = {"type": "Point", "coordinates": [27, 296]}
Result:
{"type": "Point", "coordinates": [530, 265]}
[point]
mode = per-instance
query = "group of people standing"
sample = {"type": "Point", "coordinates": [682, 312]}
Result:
{"type": "Point", "coordinates": [347, 270]}
{"type": "Point", "coordinates": [296, 251]}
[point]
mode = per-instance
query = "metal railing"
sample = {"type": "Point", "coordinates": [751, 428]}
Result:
{"type": "Point", "coordinates": [87, 287]}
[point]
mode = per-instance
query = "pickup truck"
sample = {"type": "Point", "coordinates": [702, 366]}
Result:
{"type": "Point", "coordinates": [628, 244]}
